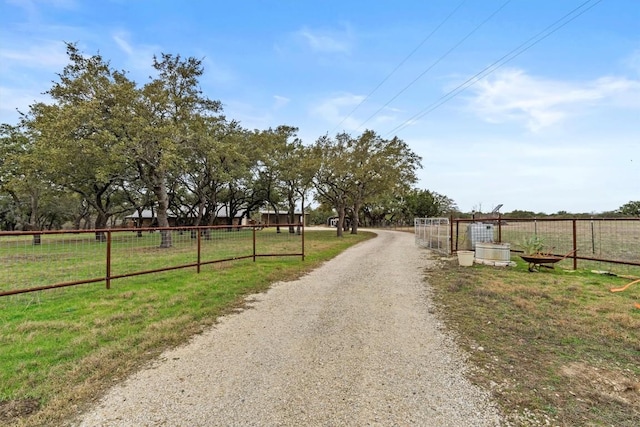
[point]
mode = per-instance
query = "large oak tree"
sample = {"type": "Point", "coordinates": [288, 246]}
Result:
{"type": "Point", "coordinates": [81, 137]}
{"type": "Point", "coordinates": [167, 118]}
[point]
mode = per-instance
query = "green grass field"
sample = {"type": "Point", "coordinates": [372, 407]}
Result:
{"type": "Point", "coordinates": [59, 348]}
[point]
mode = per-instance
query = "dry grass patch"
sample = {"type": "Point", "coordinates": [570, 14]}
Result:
{"type": "Point", "coordinates": [553, 347]}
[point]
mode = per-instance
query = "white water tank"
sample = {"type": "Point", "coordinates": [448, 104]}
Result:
{"type": "Point", "coordinates": [479, 232]}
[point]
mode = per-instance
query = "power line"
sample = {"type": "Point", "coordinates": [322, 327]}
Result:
{"type": "Point", "coordinates": [437, 61]}
{"type": "Point", "coordinates": [514, 53]}
{"type": "Point", "coordinates": [400, 64]}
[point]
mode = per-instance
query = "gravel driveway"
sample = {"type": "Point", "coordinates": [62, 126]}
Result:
{"type": "Point", "coordinates": [351, 344]}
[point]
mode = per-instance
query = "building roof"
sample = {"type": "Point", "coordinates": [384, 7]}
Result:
{"type": "Point", "coordinates": [222, 212]}
{"type": "Point", "coordinates": [282, 212]}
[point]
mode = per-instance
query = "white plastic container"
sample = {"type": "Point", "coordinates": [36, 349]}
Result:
{"type": "Point", "coordinates": [465, 258]}
{"type": "Point", "coordinates": [478, 232]}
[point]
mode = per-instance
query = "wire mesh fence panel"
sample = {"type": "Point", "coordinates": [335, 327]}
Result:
{"type": "Point", "coordinates": [43, 259]}
{"type": "Point", "coordinates": [133, 252]}
{"type": "Point", "coordinates": [223, 243]}
{"type": "Point", "coordinates": [601, 244]}
{"type": "Point", "coordinates": [466, 233]}
{"type": "Point", "coordinates": [610, 240]}
{"type": "Point", "coordinates": [555, 236]}
{"type": "Point", "coordinates": [433, 233]}
{"type": "Point", "coordinates": [283, 240]}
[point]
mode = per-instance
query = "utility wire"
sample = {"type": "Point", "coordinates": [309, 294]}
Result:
{"type": "Point", "coordinates": [437, 61]}
{"type": "Point", "coordinates": [514, 53]}
{"type": "Point", "coordinates": [400, 64]}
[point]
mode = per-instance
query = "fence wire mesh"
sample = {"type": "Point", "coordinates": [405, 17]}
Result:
{"type": "Point", "coordinates": [285, 238]}
{"type": "Point", "coordinates": [30, 261]}
{"type": "Point", "coordinates": [39, 260]}
{"type": "Point", "coordinates": [611, 245]}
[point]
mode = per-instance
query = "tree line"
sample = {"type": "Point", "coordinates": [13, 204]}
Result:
{"type": "Point", "coordinates": [105, 147]}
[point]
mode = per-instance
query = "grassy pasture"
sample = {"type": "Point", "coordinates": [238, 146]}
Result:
{"type": "Point", "coordinates": [59, 348]}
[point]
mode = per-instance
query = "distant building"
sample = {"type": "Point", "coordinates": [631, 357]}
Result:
{"type": "Point", "coordinates": [149, 219]}
{"type": "Point", "coordinates": [270, 218]}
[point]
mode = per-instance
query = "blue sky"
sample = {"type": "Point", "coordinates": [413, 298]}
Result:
{"type": "Point", "coordinates": [555, 128]}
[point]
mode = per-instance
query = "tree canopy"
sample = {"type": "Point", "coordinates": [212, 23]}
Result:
{"type": "Point", "coordinates": [354, 171]}
{"type": "Point", "coordinates": [105, 147]}
{"type": "Point", "coordinates": [631, 208]}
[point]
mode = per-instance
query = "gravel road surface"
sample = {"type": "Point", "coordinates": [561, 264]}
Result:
{"type": "Point", "coordinates": [354, 343]}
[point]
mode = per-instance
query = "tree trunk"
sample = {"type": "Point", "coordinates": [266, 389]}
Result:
{"type": "Point", "coordinates": [138, 223]}
{"type": "Point", "coordinates": [355, 219]}
{"type": "Point", "coordinates": [340, 225]}
{"type": "Point", "coordinates": [277, 213]}
{"type": "Point", "coordinates": [199, 218]}
{"type": "Point", "coordinates": [33, 219]}
{"type": "Point", "coordinates": [101, 223]}
{"type": "Point", "coordinates": [160, 191]}
{"type": "Point", "coordinates": [229, 222]}
{"type": "Point", "coordinates": [301, 222]}
{"type": "Point", "coordinates": [291, 219]}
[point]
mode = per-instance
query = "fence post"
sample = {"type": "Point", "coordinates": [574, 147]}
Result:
{"type": "Point", "coordinates": [108, 277]}
{"type": "Point", "coordinates": [199, 243]}
{"type": "Point", "coordinates": [499, 227]}
{"type": "Point", "coordinates": [451, 234]}
{"type": "Point", "coordinates": [254, 242]}
{"type": "Point", "coordinates": [575, 245]}
{"type": "Point", "coordinates": [302, 238]}
{"type": "Point", "coordinates": [457, 234]}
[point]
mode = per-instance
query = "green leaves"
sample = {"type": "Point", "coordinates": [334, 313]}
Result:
{"type": "Point", "coordinates": [355, 171]}
{"type": "Point", "coordinates": [631, 208]}
{"type": "Point", "coordinates": [115, 146]}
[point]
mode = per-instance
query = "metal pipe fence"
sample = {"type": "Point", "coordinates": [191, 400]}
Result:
{"type": "Point", "coordinates": [40, 260]}
{"type": "Point", "coordinates": [600, 243]}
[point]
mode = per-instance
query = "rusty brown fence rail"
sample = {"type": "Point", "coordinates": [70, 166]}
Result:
{"type": "Point", "coordinates": [606, 243]}
{"type": "Point", "coordinates": [40, 260]}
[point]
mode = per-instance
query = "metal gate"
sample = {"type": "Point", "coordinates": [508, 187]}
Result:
{"type": "Point", "coordinates": [433, 233]}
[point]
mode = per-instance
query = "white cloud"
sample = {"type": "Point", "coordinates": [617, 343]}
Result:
{"type": "Point", "coordinates": [327, 41]}
{"type": "Point", "coordinates": [139, 57]}
{"type": "Point", "coordinates": [529, 174]}
{"type": "Point", "coordinates": [32, 8]}
{"type": "Point", "coordinates": [339, 111]}
{"type": "Point", "coordinates": [633, 61]}
{"type": "Point", "coordinates": [46, 54]}
{"type": "Point", "coordinates": [513, 95]}
{"type": "Point", "coordinates": [280, 101]}
{"type": "Point", "coordinates": [249, 115]}
{"type": "Point", "coordinates": [26, 72]}
{"type": "Point", "coordinates": [14, 100]}
{"type": "Point", "coordinates": [334, 110]}
{"type": "Point", "coordinates": [217, 73]}
{"type": "Point", "coordinates": [120, 38]}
